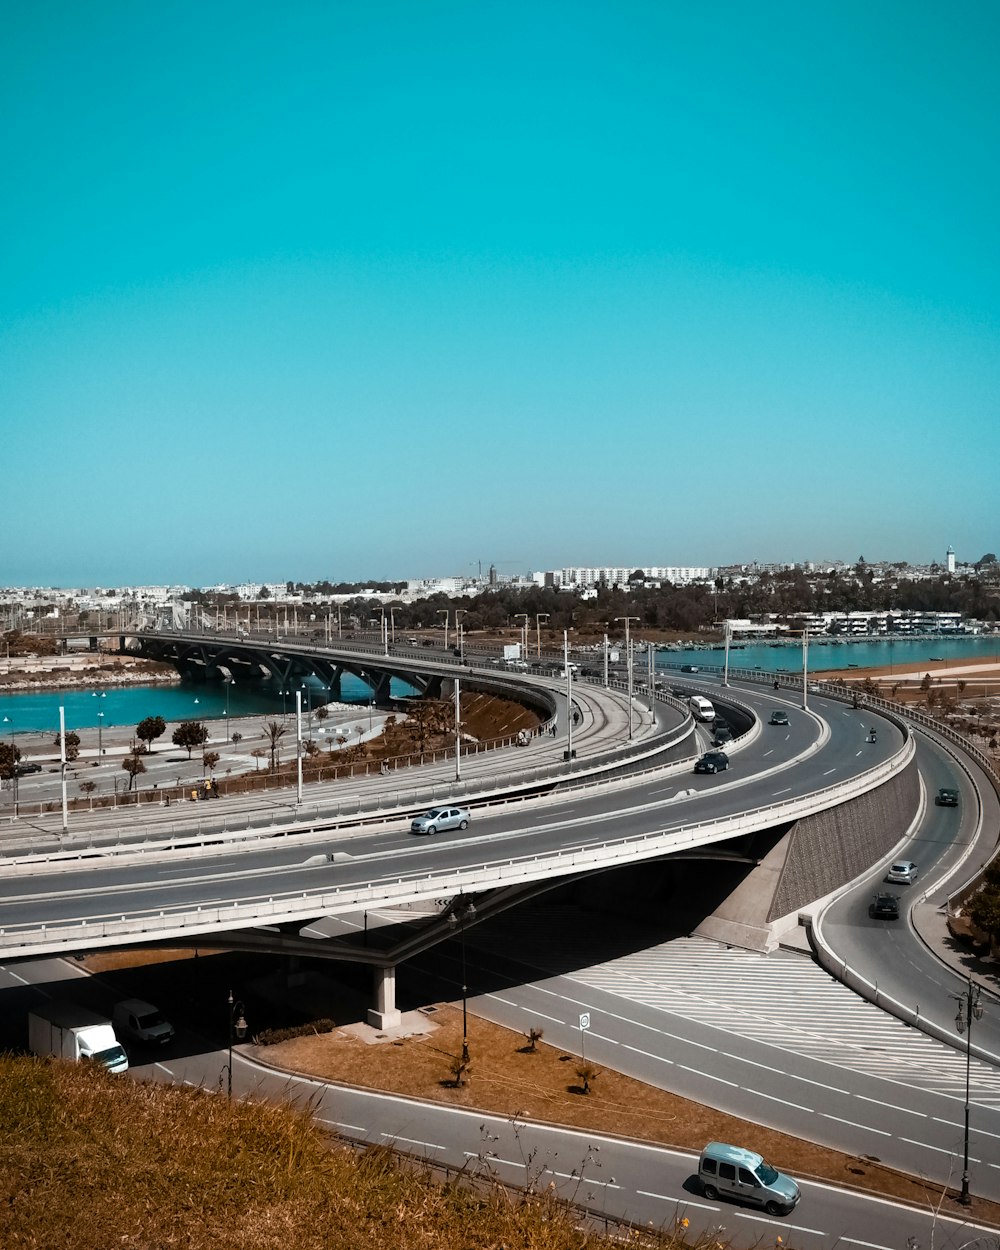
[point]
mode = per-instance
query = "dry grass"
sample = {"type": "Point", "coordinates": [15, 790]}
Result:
{"type": "Point", "coordinates": [510, 1081]}
{"type": "Point", "coordinates": [89, 1161]}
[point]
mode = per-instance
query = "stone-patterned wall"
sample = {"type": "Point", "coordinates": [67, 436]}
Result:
{"type": "Point", "coordinates": [837, 845]}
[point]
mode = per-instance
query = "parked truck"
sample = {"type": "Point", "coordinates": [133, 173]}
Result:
{"type": "Point", "coordinates": [65, 1031]}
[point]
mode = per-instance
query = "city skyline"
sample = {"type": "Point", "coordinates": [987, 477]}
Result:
{"type": "Point", "coordinates": [343, 293]}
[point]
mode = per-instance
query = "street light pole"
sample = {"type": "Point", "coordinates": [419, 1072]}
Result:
{"type": "Point", "coordinates": [463, 909]}
{"type": "Point", "coordinates": [237, 1026]}
{"type": "Point", "coordinates": [459, 613]}
{"type": "Point", "coordinates": [969, 1008]}
{"type": "Point", "coordinates": [445, 612]}
{"type": "Point", "coordinates": [523, 616]}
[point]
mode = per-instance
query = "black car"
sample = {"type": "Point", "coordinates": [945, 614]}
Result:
{"type": "Point", "coordinates": [24, 769]}
{"type": "Point", "coordinates": [778, 718]}
{"type": "Point", "coordinates": [946, 797]}
{"type": "Point", "coordinates": [722, 733]}
{"type": "Point", "coordinates": [712, 762]}
{"type": "Point", "coordinates": [884, 907]}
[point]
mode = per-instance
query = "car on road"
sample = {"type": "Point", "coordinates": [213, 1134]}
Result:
{"type": "Point", "coordinates": [24, 769]}
{"type": "Point", "coordinates": [946, 797]}
{"type": "Point", "coordinates": [778, 718]}
{"type": "Point", "coordinates": [439, 818]}
{"type": "Point", "coordinates": [689, 668]}
{"type": "Point", "coordinates": [884, 907]}
{"type": "Point", "coordinates": [903, 872]}
{"type": "Point", "coordinates": [712, 762]}
{"type": "Point", "coordinates": [722, 733]}
{"type": "Point", "coordinates": [733, 1172]}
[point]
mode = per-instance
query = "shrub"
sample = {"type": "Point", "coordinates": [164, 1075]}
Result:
{"type": "Point", "coordinates": [271, 1037]}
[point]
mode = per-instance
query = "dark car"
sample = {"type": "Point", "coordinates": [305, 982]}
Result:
{"type": "Point", "coordinates": [778, 718]}
{"type": "Point", "coordinates": [722, 733]}
{"type": "Point", "coordinates": [24, 769]}
{"type": "Point", "coordinates": [712, 762]}
{"type": "Point", "coordinates": [884, 907]}
{"type": "Point", "coordinates": [689, 668]}
{"type": "Point", "coordinates": [946, 797]}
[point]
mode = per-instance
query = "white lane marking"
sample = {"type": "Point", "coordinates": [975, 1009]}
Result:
{"type": "Point", "coordinates": [937, 1149]}
{"type": "Point", "coordinates": [414, 1141]}
{"type": "Point", "coordinates": [839, 1119]}
{"type": "Point", "coordinates": [351, 1128]}
{"type": "Point", "coordinates": [711, 1076]}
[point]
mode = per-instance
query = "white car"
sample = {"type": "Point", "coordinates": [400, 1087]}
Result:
{"type": "Point", "coordinates": [903, 872]}
{"type": "Point", "coordinates": [441, 818]}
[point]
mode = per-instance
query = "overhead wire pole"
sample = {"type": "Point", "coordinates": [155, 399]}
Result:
{"type": "Point", "coordinates": [458, 729]}
{"type": "Point", "coordinates": [298, 747]}
{"type": "Point", "coordinates": [725, 668]}
{"type": "Point", "coordinates": [62, 760]}
{"type": "Point", "coordinates": [569, 697]}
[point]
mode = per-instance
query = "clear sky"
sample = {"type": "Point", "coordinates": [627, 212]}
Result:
{"type": "Point", "coordinates": [309, 290]}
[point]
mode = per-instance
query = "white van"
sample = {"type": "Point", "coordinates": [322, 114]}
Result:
{"type": "Point", "coordinates": [142, 1022]}
{"type": "Point", "coordinates": [732, 1172]}
{"type": "Point", "coordinates": [701, 708]}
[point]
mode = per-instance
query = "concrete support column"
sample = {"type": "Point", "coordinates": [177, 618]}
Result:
{"type": "Point", "coordinates": [384, 1015]}
{"type": "Point", "coordinates": [335, 693]}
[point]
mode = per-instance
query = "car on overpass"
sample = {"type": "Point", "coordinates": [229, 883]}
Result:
{"type": "Point", "coordinates": [778, 717]}
{"type": "Point", "coordinates": [884, 907]}
{"type": "Point", "coordinates": [902, 872]}
{"type": "Point", "coordinates": [946, 797]}
{"type": "Point", "coordinates": [712, 762]}
{"type": "Point", "coordinates": [439, 818]}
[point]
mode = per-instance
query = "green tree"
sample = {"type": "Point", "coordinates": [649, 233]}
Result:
{"type": "Point", "coordinates": [149, 729]}
{"type": "Point", "coordinates": [189, 734]}
{"type": "Point", "coordinates": [209, 760]}
{"type": "Point", "coordinates": [9, 756]}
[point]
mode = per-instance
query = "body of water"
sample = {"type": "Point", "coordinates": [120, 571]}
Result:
{"type": "Point", "coordinates": [38, 711]}
{"type": "Point", "coordinates": [825, 655]}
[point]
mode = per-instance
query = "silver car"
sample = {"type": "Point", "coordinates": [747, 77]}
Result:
{"type": "Point", "coordinates": [441, 818]}
{"type": "Point", "coordinates": [903, 872]}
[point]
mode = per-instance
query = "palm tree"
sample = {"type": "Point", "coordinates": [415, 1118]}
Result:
{"type": "Point", "coordinates": [274, 731]}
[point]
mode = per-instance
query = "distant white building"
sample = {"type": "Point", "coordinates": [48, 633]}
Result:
{"type": "Point", "coordinates": [950, 560]}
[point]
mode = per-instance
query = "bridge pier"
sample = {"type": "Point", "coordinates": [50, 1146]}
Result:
{"type": "Point", "coordinates": [385, 1015]}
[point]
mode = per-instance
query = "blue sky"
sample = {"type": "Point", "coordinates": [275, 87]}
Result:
{"type": "Point", "coordinates": [373, 291]}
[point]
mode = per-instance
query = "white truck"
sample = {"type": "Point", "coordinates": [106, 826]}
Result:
{"type": "Point", "coordinates": [511, 651]}
{"type": "Point", "coordinates": [65, 1031]}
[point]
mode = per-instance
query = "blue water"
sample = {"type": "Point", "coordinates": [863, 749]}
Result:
{"type": "Point", "coordinates": [902, 653]}
{"type": "Point", "coordinates": [38, 711]}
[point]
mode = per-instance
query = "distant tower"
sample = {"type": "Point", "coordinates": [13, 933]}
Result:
{"type": "Point", "coordinates": [950, 560]}
{"type": "Point", "coordinates": [493, 575]}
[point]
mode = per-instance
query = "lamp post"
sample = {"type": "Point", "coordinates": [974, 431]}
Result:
{"type": "Point", "coordinates": [523, 616]}
{"type": "Point", "coordinates": [628, 666]}
{"type": "Point", "coordinates": [459, 613]}
{"type": "Point", "coordinates": [445, 612]}
{"type": "Point", "coordinates": [539, 617]}
{"type": "Point", "coordinates": [228, 682]}
{"type": "Point", "coordinates": [463, 909]}
{"type": "Point", "coordinates": [100, 735]}
{"type": "Point", "coordinates": [237, 1028]}
{"type": "Point", "coordinates": [969, 1008]}
{"type": "Point", "coordinates": [392, 625]}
